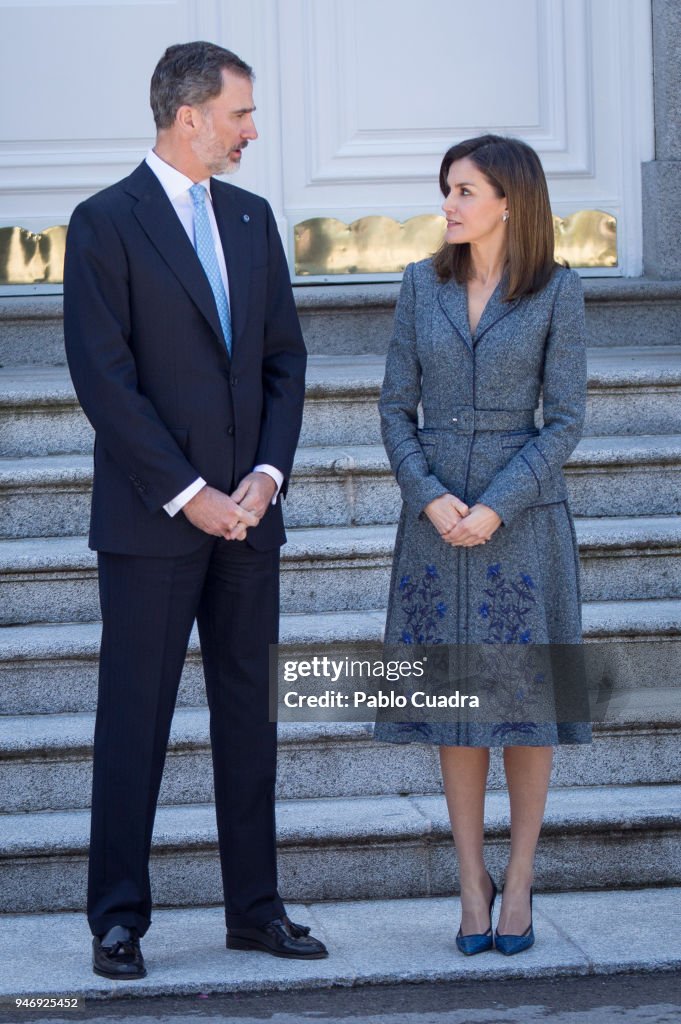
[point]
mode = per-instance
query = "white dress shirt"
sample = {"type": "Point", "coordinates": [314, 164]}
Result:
{"type": "Point", "coordinates": [176, 186]}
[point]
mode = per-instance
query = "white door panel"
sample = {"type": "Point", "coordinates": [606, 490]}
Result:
{"type": "Point", "coordinates": [357, 100]}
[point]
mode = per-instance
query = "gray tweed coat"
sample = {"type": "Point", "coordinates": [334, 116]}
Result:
{"type": "Point", "coordinates": [478, 440]}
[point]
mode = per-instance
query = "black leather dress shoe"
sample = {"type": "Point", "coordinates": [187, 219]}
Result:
{"type": "Point", "coordinates": [280, 937]}
{"type": "Point", "coordinates": [118, 955]}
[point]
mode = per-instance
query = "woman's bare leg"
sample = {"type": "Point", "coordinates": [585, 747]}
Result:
{"type": "Point", "coordinates": [528, 770]}
{"type": "Point", "coordinates": [464, 773]}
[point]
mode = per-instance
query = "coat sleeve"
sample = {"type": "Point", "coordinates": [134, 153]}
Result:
{"type": "Point", "coordinates": [283, 368]}
{"type": "Point", "coordinates": [97, 333]}
{"type": "Point", "coordinates": [534, 475]}
{"type": "Point", "coordinates": [398, 406]}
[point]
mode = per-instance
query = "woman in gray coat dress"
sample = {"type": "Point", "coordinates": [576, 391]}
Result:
{"type": "Point", "coordinates": [486, 551]}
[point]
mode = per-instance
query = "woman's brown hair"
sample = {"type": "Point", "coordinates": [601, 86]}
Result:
{"type": "Point", "coordinates": [513, 169]}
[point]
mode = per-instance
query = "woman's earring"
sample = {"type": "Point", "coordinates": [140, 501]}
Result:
{"type": "Point", "coordinates": [505, 217]}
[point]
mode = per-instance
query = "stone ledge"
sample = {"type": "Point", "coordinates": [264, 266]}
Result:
{"type": "Point", "coordinates": [370, 943]}
{"type": "Point", "coordinates": [348, 821]}
{"type": "Point", "coordinates": [312, 298]}
{"type": "Point", "coordinates": [344, 543]}
{"type": "Point", "coordinates": [602, 620]}
{"type": "Point", "coordinates": [37, 737]}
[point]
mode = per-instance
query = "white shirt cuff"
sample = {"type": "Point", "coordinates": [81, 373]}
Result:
{"type": "Point", "coordinates": [276, 475]}
{"type": "Point", "coordinates": [177, 504]}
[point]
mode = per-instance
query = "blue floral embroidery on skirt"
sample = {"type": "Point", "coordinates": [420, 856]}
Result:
{"type": "Point", "coordinates": [423, 607]}
{"type": "Point", "coordinates": [508, 604]}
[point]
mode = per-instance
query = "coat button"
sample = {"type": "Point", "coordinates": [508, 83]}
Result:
{"type": "Point", "coordinates": [245, 218]}
{"type": "Point", "coordinates": [235, 381]}
{"type": "Point", "coordinates": [230, 431]}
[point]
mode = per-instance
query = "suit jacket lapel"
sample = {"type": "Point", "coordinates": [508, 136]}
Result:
{"type": "Point", "coordinates": [161, 224]}
{"type": "Point", "coordinates": [454, 303]}
{"type": "Point", "coordinates": [235, 234]}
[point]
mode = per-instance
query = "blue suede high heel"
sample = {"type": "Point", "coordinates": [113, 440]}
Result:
{"type": "Point", "coordinates": [478, 943]}
{"type": "Point", "coordinates": [511, 944]}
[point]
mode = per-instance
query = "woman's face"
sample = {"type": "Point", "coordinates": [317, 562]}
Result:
{"type": "Point", "coordinates": [473, 209]}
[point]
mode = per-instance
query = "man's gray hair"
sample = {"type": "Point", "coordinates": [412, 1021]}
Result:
{"type": "Point", "coordinates": [190, 74]}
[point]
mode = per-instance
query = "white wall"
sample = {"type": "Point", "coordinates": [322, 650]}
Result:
{"type": "Point", "coordinates": [357, 99]}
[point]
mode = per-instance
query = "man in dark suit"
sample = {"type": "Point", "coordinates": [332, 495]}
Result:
{"type": "Point", "coordinates": [186, 353]}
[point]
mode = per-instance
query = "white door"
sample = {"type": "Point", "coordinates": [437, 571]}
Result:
{"type": "Point", "coordinates": [357, 101]}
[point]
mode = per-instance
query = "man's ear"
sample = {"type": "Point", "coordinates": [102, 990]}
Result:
{"type": "Point", "coordinates": [186, 118]}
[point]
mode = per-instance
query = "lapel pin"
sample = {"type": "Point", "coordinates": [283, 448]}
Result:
{"type": "Point", "coordinates": [245, 218]}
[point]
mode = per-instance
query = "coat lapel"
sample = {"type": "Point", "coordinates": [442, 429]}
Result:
{"type": "Point", "coordinates": [161, 224]}
{"type": "Point", "coordinates": [454, 303]}
{"type": "Point", "coordinates": [494, 311]}
{"type": "Point", "coordinates": [236, 233]}
{"type": "Point", "coordinates": [453, 299]}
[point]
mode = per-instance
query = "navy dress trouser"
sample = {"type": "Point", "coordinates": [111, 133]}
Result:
{"type": "Point", "coordinates": [148, 608]}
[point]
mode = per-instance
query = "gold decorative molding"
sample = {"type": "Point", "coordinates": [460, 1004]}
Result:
{"type": "Point", "coordinates": [26, 258]}
{"type": "Point", "coordinates": [587, 238]}
{"type": "Point", "coordinates": [325, 246]}
{"type": "Point", "coordinates": [381, 245]}
{"type": "Point", "coordinates": [370, 245]}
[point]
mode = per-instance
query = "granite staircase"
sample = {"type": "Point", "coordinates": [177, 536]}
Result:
{"type": "Point", "coordinates": [356, 819]}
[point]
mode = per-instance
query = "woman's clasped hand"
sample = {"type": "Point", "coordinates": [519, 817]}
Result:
{"type": "Point", "coordinates": [460, 525]}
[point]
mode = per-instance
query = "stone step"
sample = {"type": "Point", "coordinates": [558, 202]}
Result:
{"type": "Point", "coordinates": [52, 668]}
{"type": "Point", "coordinates": [346, 485]}
{"type": "Point", "coordinates": [45, 496]}
{"type": "Point", "coordinates": [606, 476]}
{"type": "Point", "coordinates": [45, 760]}
{"type": "Point", "coordinates": [622, 475]}
{"type": "Point", "coordinates": [634, 390]}
{"type": "Point", "coordinates": [356, 847]}
{"type": "Point", "coordinates": [39, 414]}
{"type": "Point", "coordinates": [31, 330]}
{"type": "Point", "coordinates": [632, 311]}
{"type": "Point", "coordinates": [630, 391]}
{"type": "Point", "coordinates": [53, 579]}
{"type": "Point", "coordinates": [358, 318]}
{"type": "Point", "coordinates": [334, 486]}
{"type": "Point", "coordinates": [371, 943]}
{"type": "Point", "coordinates": [623, 558]}
{"type": "Point", "coordinates": [341, 395]}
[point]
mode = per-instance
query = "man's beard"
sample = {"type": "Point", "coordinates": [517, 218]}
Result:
{"type": "Point", "coordinates": [231, 168]}
{"type": "Point", "coordinates": [223, 165]}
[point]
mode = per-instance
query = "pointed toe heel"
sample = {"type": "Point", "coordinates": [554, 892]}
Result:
{"type": "Point", "coordinates": [469, 945]}
{"type": "Point", "coordinates": [509, 945]}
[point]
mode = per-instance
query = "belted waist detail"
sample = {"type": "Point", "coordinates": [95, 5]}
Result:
{"type": "Point", "coordinates": [467, 420]}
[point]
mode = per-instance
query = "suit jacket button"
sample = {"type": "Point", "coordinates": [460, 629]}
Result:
{"type": "Point", "coordinates": [230, 431]}
{"type": "Point", "coordinates": [235, 381]}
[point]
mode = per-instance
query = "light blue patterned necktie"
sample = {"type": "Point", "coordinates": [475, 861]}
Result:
{"type": "Point", "coordinates": [205, 249]}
